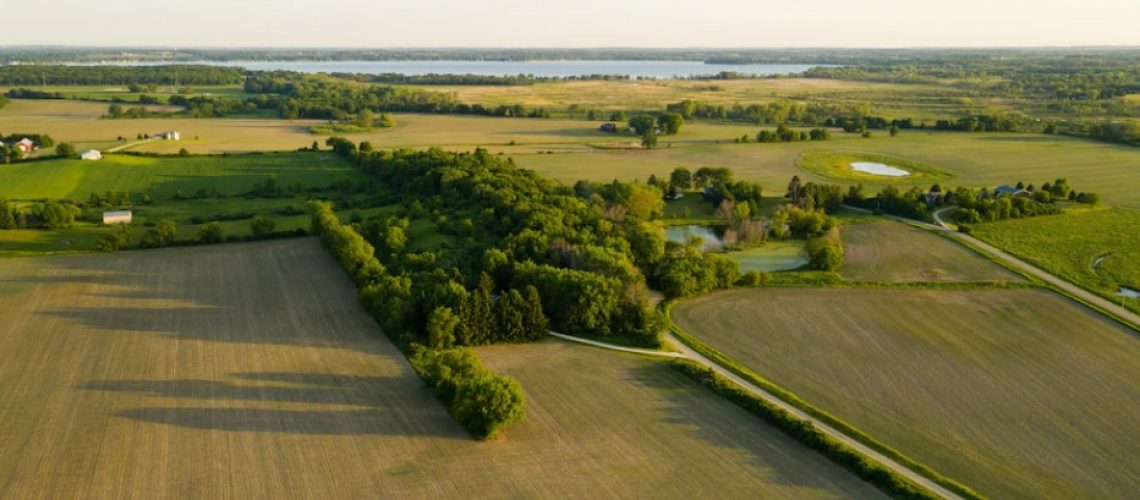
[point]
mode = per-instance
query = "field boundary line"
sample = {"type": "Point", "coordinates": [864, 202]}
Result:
{"type": "Point", "coordinates": [1054, 282]}
{"type": "Point", "coordinates": [845, 433]}
{"type": "Point", "coordinates": [612, 347]}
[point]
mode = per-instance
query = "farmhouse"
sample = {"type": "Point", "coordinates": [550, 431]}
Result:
{"type": "Point", "coordinates": [1007, 190]}
{"type": "Point", "coordinates": [25, 145]}
{"type": "Point", "coordinates": [172, 135]}
{"type": "Point", "coordinates": [117, 217]}
{"type": "Point", "coordinates": [91, 154]}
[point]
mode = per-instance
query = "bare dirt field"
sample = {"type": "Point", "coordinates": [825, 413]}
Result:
{"type": "Point", "coordinates": [249, 371]}
{"type": "Point", "coordinates": [1015, 393]}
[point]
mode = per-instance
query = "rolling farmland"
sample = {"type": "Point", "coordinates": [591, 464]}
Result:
{"type": "Point", "coordinates": [248, 370]}
{"type": "Point", "coordinates": [990, 387]}
{"type": "Point", "coordinates": [891, 251]}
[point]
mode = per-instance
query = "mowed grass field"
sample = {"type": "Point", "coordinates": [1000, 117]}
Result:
{"type": "Point", "coordinates": [1016, 393]}
{"type": "Point", "coordinates": [163, 177]}
{"type": "Point", "coordinates": [249, 370]}
{"type": "Point", "coordinates": [1070, 244]}
{"type": "Point", "coordinates": [885, 250]}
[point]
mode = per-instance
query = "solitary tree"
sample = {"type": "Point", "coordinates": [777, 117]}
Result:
{"type": "Point", "coordinates": [65, 149]}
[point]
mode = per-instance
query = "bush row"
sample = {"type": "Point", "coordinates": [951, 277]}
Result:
{"type": "Point", "coordinates": [482, 402]}
{"type": "Point", "coordinates": [886, 480]}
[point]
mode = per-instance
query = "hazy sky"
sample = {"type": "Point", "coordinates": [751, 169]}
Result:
{"type": "Point", "coordinates": [576, 23]}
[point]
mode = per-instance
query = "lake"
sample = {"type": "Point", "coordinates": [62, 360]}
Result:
{"type": "Point", "coordinates": [650, 69]}
{"type": "Point", "coordinates": [878, 169]}
{"type": "Point", "coordinates": [772, 256]}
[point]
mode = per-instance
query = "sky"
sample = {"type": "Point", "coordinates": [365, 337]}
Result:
{"type": "Point", "coordinates": [577, 23]}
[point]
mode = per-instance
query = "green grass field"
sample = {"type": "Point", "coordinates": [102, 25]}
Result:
{"type": "Point", "coordinates": [974, 160]}
{"type": "Point", "coordinates": [166, 176]}
{"type": "Point", "coordinates": [1016, 393]}
{"type": "Point", "coordinates": [885, 250]}
{"type": "Point", "coordinates": [249, 370]}
{"type": "Point", "coordinates": [1069, 245]}
{"type": "Point", "coordinates": [772, 256]}
{"type": "Point", "coordinates": [573, 149]}
{"type": "Point", "coordinates": [837, 166]}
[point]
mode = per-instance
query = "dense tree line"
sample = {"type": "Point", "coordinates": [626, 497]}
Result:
{"type": "Point", "coordinates": [974, 205]}
{"type": "Point", "coordinates": [314, 96]}
{"type": "Point", "coordinates": [119, 75]}
{"type": "Point", "coordinates": [23, 93]}
{"type": "Point", "coordinates": [59, 214]}
{"type": "Point", "coordinates": [483, 403]}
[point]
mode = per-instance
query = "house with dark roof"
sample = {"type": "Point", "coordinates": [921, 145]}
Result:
{"type": "Point", "coordinates": [1007, 190]}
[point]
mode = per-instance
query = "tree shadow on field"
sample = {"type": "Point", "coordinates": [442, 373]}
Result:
{"type": "Point", "coordinates": [286, 292]}
{"type": "Point", "coordinates": [351, 404]}
{"type": "Point", "coordinates": [721, 424]}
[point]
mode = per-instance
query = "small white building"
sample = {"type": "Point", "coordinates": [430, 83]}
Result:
{"type": "Point", "coordinates": [117, 217]}
{"type": "Point", "coordinates": [91, 154]}
{"type": "Point", "coordinates": [172, 135]}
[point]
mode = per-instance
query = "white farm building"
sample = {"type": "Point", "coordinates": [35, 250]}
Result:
{"type": "Point", "coordinates": [91, 154]}
{"type": "Point", "coordinates": [117, 217]}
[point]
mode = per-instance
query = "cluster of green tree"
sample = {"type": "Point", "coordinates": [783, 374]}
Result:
{"type": "Point", "coordinates": [825, 252]}
{"type": "Point", "coordinates": [23, 93]}
{"type": "Point", "coordinates": [1121, 132]}
{"type": "Point", "coordinates": [785, 134]}
{"type": "Point", "coordinates": [60, 214]}
{"type": "Point", "coordinates": [313, 96]}
{"type": "Point", "coordinates": [582, 249]}
{"type": "Point", "coordinates": [196, 107]}
{"type": "Point", "coordinates": [812, 196]}
{"type": "Point", "coordinates": [119, 75]}
{"type": "Point", "coordinates": [110, 199]}
{"type": "Point", "coordinates": [1001, 122]}
{"type": "Point", "coordinates": [685, 270]}
{"type": "Point", "coordinates": [974, 205]}
{"type": "Point", "coordinates": [888, 481]}
{"type": "Point", "coordinates": [649, 127]}
{"type": "Point", "coordinates": [482, 402]}
{"type": "Point", "coordinates": [778, 112]}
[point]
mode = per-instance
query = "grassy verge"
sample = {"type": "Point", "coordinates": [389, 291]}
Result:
{"type": "Point", "coordinates": [886, 480]}
{"type": "Point", "coordinates": [790, 398]}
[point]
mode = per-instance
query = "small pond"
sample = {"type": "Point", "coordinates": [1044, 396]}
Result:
{"type": "Point", "coordinates": [772, 256]}
{"type": "Point", "coordinates": [711, 234]}
{"type": "Point", "coordinates": [878, 169]}
{"type": "Point", "coordinates": [1128, 292]}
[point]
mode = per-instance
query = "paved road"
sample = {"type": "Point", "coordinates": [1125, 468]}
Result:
{"type": "Point", "coordinates": [1070, 288]}
{"type": "Point", "coordinates": [685, 352]}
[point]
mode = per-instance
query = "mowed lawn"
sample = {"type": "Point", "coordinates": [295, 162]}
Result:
{"type": "Point", "coordinates": [249, 371]}
{"type": "Point", "coordinates": [892, 251]}
{"type": "Point", "coordinates": [1016, 393]}
{"type": "Point", "coordinates": [164, 177]}
{"type": "Point", "coordinates": [1070, 245]}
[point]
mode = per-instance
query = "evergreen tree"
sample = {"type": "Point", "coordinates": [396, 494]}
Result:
{"type": "Point", "coordinates": [534, 320]}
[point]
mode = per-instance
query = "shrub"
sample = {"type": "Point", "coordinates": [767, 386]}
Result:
{"type": "Point", "coordinates": [485, 405]}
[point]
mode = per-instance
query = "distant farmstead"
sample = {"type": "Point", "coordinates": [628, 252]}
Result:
{"type": "Point", "coordinates": [117, 217]}
{"type": "Point", "coordinates": [25, 145]}
{"type": "Point", "coordinates": [1007, 190]}
{"type": "Point", "coordinates": [91, 154]}
{"type": "Point", "coordinates": [169, 136]}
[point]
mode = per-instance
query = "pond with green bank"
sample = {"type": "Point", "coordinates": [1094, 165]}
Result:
{"type": "Point", "coordinates": [770, 257]}
{"type": "Point", "coordinates": [868, 167]}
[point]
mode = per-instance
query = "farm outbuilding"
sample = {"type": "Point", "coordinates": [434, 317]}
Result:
{"type": "Point", "coordinates": [117, 217]}
{"type": "Point", "coordinates": [172, 135]}
{"type": "Point", "coordinates": [91, 154]}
